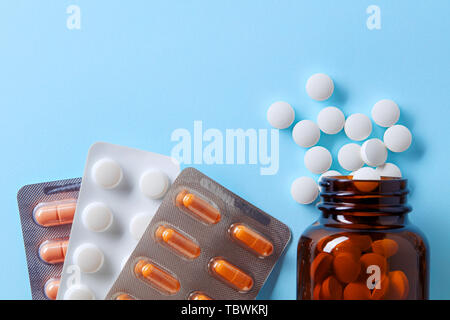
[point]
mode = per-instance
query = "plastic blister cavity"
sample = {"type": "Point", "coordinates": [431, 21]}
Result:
{"type": "Point", "coordinates": [119, 196]}
{"type": "Point", "coordinates": [203, 243]}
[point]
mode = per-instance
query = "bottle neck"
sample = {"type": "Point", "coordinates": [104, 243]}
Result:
{"type": "Point", "coordinates": [363, 203]}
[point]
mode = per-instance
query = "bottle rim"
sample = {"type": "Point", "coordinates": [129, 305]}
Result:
{"type": "Point", "coordinates": [342, 194]}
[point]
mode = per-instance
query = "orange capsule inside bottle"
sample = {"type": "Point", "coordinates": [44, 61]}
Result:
{"type": "Point", "coordinates": [200, 208]}
{"type": "Point", "coordinates": [124, 296]}
{"type": "Point", "coordinates": [199, 296]}
{"type": "Point", "coordinates": [231, 275]}
{"type": "Point", "coordinates": [55, 213]}
{"type": "Point", "coordinates": [158, 278]}
{"type": "Point", "coordinates": [53, 251]}
{"type": "Point", "coordinates": [251, 239]}
{"type": "Point", "coordinates": [178, 242]}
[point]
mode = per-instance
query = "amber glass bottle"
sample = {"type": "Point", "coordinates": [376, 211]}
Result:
{"type": "Point", "coordinates": [362, 247]}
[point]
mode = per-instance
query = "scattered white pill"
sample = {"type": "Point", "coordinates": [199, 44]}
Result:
{"type": "Point", "coordinates": [154, 184]}
{"type": "Point", "coordinates": [385, 113]}
{"type": "Point", "coordinates": [366, 173]}
{"type": "Point", "coordinates": [138, 224]}
{"type": "Point", "coordinates": [107, 173]}
{"type": "Point", "coordinates": [319, 87]}
{"type": "Point", "coordinates": [88, 257]}
{"type": "Point", "coordinates": [358, 126]}
{"type": "Point", "coordinates": [97, 217]}
{"type": "Point", "coordinates": [397, 138]}
{"type": "Point", "coordinates": [304, 190]}
{"type": "Point", "coordinates": [78, 292]}
{"type": "Point", "coordinates": [349, 157]}
{"type": "Point", "coordinates": [280, 115]}
{"type": "Point", "coordinates": [330, 173]}
{"type": "Point", "coordinates": [306, 133]}
{"type": "Point", "coordinates": [389, 170]}
{"type": "Point", "coordinates": [374, 152]}
{"type": "Point", "coordinates": [318, 159]}
{"type": "Point", "coordinates": [331, 120]}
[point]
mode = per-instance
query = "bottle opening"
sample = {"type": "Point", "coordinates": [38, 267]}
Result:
{"type": "Point", "coordinates": [343, 195]}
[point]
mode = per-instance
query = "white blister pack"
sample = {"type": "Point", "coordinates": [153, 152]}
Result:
{"type": "Point", "coordinates": [121, 190]}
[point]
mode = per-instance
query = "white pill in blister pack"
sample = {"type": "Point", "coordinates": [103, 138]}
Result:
{"type": "Point", "coordinates": [319, 86]}
{"type": "Point", "coordinates": [120, 192]}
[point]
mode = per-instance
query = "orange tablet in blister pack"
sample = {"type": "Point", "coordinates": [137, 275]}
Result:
{"type": "Point", "coordinates": [198, 207]}
{"type": "Point", "coordinates": [46, 213]}
{"type": "Point", "coordinates": [53, 251]}
{"type": "Point", "coordinates": [55, 213]}
{"type": "Point", "coordinates": [178, 242]}
{"type": "Point", "coordinates": [197, 295]}
{"type": "Point", "coordinates": [160, 279]}
{"type": "Point", "coordinates": [205, 243]}
{"type": "Point", "coordinates": [231, 275]}
{"type": "Point", "coordinates": [251, 240]}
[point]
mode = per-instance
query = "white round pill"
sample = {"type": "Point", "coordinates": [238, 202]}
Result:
{"type": "Point", "coordinates": [280, 115]}
{"type": "Point", "coordinates": [318, 159]}
{"type": "Point", "coordinates": [374, 152]}
{"type": "Point", "coordinates": [389, 170]}
{"type": "Point", "coordinates": [397, 138]}
{"type": "Point", "coordinates": [138, 224]}
{"type": "Point", "coordinates": [107, 173]}
{"type": "Point", "coordinates": [349, 157]}
{"type": "Point", "coordinates": [306, 133]}
{"type": "Point", "coordinates": [366, 173]}
{"type": "Point", "coordinates": [97, 217]}
{"type": "Point", "coordinates": [78, 292]}
{"type": "Point", "coordinates": [358, 126]}
{"type": "Point", "coordinates": [385, 113]}
{"type": "Point", "coordinates": [331, 120]}
{"type": "Point", "coordinates": [330, 173]}
{"type": "Point", "coordinates": [154, 184]}
{"type": "Point", "coordinates": [88, 257]}
{"type": "Point", "coordinates": [319, 86]}
{"type": "Point", "coordinates": [304, 190]}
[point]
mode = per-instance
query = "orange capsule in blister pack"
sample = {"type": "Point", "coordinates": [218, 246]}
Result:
{"type": "Point", "coordinates": [51, 288]}
{"type": "Point", "coordinates": [53, 251]}
{"type": "Point", "coordinates": [231, 275]}
{"type": "Point", "coordinates": [199, 296]}
{"type": "Point", "coordinates": [55, 213]}
{"type": "Point", "coordinates": [252, 240]}
{"type": "Point", "coordinates": [158, 278]}
{"type": "Point", "coordinates": [200, 208]}
{"type": "Point", "coordinates": [178, 242]}
{"type": "Point", "coordinates": [124, 296]}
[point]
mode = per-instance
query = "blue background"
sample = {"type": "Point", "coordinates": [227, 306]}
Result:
{"type": "Point", "coordinates": [137, 70]}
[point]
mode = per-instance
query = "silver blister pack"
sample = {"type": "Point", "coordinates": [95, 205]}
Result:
{"type": "Point", "coordinates": [46, 212]}
{"type": "Point", "coordinates": [204, 242]}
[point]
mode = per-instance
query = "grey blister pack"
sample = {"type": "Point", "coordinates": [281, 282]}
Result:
{"type": "Point", "coordinates": [121, 191]}
{"type": "Point", "coordinates": [204, 243]}
{"type": "Point", "coordinates": [46, 213]}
